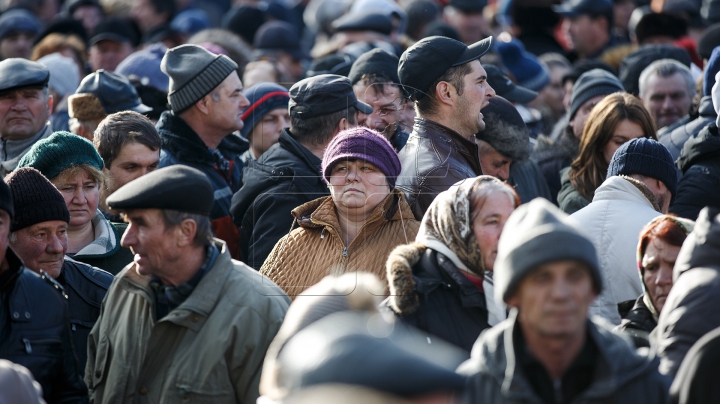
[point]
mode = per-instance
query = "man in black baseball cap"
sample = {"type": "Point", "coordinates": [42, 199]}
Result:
{"type": "Point", "coordinates": [288, 173]}
{"type": "Point", "coordinates": [113, 40]}
{"type": "Point", "coordinates": [587, 24]}
{"type": "Point", "coordinates": [449, 86]}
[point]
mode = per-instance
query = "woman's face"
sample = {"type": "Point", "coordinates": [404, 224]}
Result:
{"type": "Point", "coordinates": [489, 223]}
{"type": "Point", "coordinates": [357, 185]}
{"type": "Point", "coordinates": [625, 131]}
{"type": "Point", "coordinates": [658, 263]}
{"type": "Point", "coordinates": [81, 193]}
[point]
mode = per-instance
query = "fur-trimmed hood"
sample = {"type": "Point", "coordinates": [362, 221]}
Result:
{"type": "Point", "coordinates": [402, 259]}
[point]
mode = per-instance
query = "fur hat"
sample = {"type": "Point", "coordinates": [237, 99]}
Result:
{"type": "Point", "coordinates": [505, 130]}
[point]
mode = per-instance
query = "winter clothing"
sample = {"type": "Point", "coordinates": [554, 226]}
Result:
{"type": "Point", "coordinates": [569, 199]}
{"type": "Point", "coordinates": [524, 66]}
{"type": "Point", "coordinates": [399, 139]}
{"type": "Point", "coordinates": [434, 158]}
{"type": "Point", "coordinates": [181, 145]}
{"type": "Point", "coordinates": [620, 374]}
{"type": "Point", "coordinates": [293, 269]}
{"type": "Point", "coordinates": [60, 151]}
{"type": "Point", "coordinates": [111, 91]}
{"type": "Point", "coordinates": [528, 181]}
{"type": "Point", "coordinates": [65, 76]}
{"type": "Point", "coordinates": [274, 36]}
{"type": "Point", "coordinates": [633, 64]}
{"type": "Point", "coordinates": [322, 95]}
{"type": "Point", "coordinates": [20, 73]}
{"type": "Point", "coordinates": [145, 65]}
{"type": "Point", "coordinates": [364, 144]}
{"type": "Point", "coordinates": [638, 322]}
{"type": "Point", "coordinates": [505, 130]}
{"type": "Point", "coordinates": [264, 98]}
{"type": "Point", "coordinates": [283, 178]}
{"type": "Point", "coordinates": [621, 208]}
{"type": "Point", "coordinates": [377, 61]}
{"type": "Point", "coordinates": [504, 87]}
{"type": "Point", "coordinates": [36, 332]}
{"type": "Point", "coordinates": [216, 348]}
{"type": "Point", "coordinates": [18, 20]}
{"type": "Point", "coordinates": [36, 198]}
{"type": "Point", "coordinates": [690, 310]}
{"type": "Point", "coordinates": [645, 157]}
{"type": "Point", "coordinates": [194, 72]}
{"type": "Point", "coordinates": [700, 183]}
{"type": "Point", "coordinates": [11, 151]}
{"type": "Point", "coordinates": [708, 41]}
{"type": "Point", "coordinates": [166, 189]}
{"type": "Point", "coordinates": [695, 381]}
{"type": "Point", "coordinates": [105, 251]}
{"type": "Point", "coordinates": [591, 84]}
{"type": "Point", "coordinates": [675, 140]}
{"type": "Point", "coordinates": [552, 156]}
{"type": "Point", "coordinates": [6, 201]}
{"type": "Point", "coordinates": [18, 385]}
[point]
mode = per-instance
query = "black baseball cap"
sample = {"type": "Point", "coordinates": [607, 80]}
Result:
{"type": "Point", "coordinates": [115, 29]}
{"type": "Point", "coordinates": [429, 58]}
{"type": "Point", "coordinates": [323, 95]}
{"type": "Point", "coordinates": [114, 92]}
{"type": "Point", "coordinates": [574, 8]}
{"type": "Point", "coordinates": [505, 88]}
{"type": "Point", "coordinates": [468, 6]}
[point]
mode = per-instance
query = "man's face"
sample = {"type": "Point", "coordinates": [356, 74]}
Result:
{"type": "Point", "coordinates": [581, 32]}
{"type": "Point", "coordinates": [133, 161]}
{"type": "Point", "coordinates": [155, 247]}
{"type": "Point", "coordinates": [267, 132]}
{"type": "Point", "coordinates": [471, 26]}
{"type": "Point", "coordinates": [108, 54]}
{"type": "Point", "coordinates": [553, 299]}
{"type": "Point", "coordinates": [667, 99]}
{"type": "Point", "coordinates": [492, 162]}
{"type": "Point", "coordinates": [143, 12]}
{"type": "Point", "coordinates": [17, 45]}
{"type": "Point", "coordinates": [23, 112]}
{"type": "Point", "coordinates": [387, 103]}
{"type": "Point", "coordinates": [225, 114]}
{"type": "Point", "coordinates": [581, 115]}
{"type": "Point", "coordinates": [42, 246]}
{"type": "Point", "coordinates": [475, 96]}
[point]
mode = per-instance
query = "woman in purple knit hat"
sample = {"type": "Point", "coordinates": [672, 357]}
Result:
{"type": "Point", "coordinates": [353, 229]}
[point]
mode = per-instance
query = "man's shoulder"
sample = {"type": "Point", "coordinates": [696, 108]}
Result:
{"type": "Point", "coordinates": [246, 287]}
{"type": "Point", "coordinates": [85, 273]}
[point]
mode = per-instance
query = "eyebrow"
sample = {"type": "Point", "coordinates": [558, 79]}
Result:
{"type": "Point", "coordinates": [481, 78]}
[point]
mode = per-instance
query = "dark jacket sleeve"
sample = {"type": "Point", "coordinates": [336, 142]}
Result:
{"type": "Point", "coordinates": [698, 187]}
{"type": "Point", "coordinates": [431, 185]}
{"type": "Point", "coordinates": [70, 386]}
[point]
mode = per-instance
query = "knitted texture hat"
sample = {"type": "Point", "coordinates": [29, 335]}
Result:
{"type": "Point", "coordinates": [6, 202]}
{"type": "Point", "coordinates": [36, 198]}
{"type": "Point", "coordinates": [524, 66]}
{"type": "Point", "coordinates": [364, 144]}
{"type": "Point", "coordinates": [61, 150]}
{"type": "Point", "coordinates": [264, 98]}
{"type": "Point", "coordinates": [194, 73]}
{"type": "Point", "coordinates": [538, 233]}
{"type": "Point", "coordinates": [646, 157]}
{"type": "Point", "coordinates": [591, 84]}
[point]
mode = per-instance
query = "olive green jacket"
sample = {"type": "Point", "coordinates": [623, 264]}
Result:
{"type": "Point", "coordinates": [210, 349]}
{"type": "Point", "coordinates": [569, 198]}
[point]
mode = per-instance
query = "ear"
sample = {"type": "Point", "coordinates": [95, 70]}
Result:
{"type": "Point", "coordinates": [185, 233]}
{"type": "Point", "coordinates": [445, 93]}
{"type": "Point", "coordinates": [342, 125]}
{"type": "Point", "coordinates": [203, 104]}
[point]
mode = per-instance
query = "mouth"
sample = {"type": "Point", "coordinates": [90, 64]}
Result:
{"type": "Point", "coordinates": [353, 190]}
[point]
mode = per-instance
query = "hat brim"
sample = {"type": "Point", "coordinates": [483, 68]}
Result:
{"type": "Point", "coordinates": [566, 11]}
{"type": "Point", "coordinates": [474, 51]}
{"type": "Point", "coordinates": [362, 107]}
{"type": "Point", "coordinates": [108, 37]}
{"type": "Point", "coordinates": [520, 95]}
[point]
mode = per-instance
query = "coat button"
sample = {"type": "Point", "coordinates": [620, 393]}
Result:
{"type": "Point", "coordinates": [27, 314]}
{"type": "Point", "coordinates": [16, 315]}
{"type": "Point", "coordinates": [142, 391]}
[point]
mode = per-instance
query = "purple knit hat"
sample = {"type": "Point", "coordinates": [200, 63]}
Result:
{"type": "Point", "coordinates": [364, 144]}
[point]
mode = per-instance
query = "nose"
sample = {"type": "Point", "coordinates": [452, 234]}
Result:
{"type": "Point", "coordinates": [130, 237]}
{"type": "Point", "coordinates": [352, 174]}
{"type": "Point", "coordinates": [490, 91]}
{"type": "Point", "coordinates": [79, 197]}
{"type": "Point", "coordinates": [664, 278]}
{"type": "Point", "coordinates": [55, 246]}
{"type": "Point", "coordinates": [244, 102]}
{"type": "Point", "coordinates": [667, 103]}
{"type": "Point", "coordinates": [560, 289]}
{"type": "Point", "coordinates": [504, 172]}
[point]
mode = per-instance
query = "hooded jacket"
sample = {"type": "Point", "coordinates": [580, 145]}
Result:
{"type": "Point", "coordinates": [434, 158]}
{"type": "Point", "coordinates": [621, 375]}
{"type": "Point", "coordinates": [105, 252]}
{"type": "Point", "coordinates": [675, 140]}
{"type": "Point", "coordinates": [700, 184]}
{"type": "Point", "coordinates": [181, 145]}
{"type": "Point", "coordinates": [283, 178]}
{"type": "Point", "coordinates": [620, 209]}
{"type": "Point", "coordinates": [569, 199]}
{"type": "Point", "coordinates": [316, 249]}
{"type": "Point", "coordinates": [210, 349]}
{"type": "Point", "coordinates": [690, 310]}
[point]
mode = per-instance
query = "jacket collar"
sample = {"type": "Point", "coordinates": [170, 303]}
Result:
{"type": "Point", "coordinates": [16, 149]}
{"type": "Point", "coordinates": [626, 189]}
{"type": "Point", "coordinates": [299, 151]}
{"type": "Point", "coordinates": [430, 129]}
{"type": "Point", "coordinates": [15, 268]}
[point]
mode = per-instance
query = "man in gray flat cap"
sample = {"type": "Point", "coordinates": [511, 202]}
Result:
{"type": "Point", "coordinates": [183, 302]}
{"type": "Point", "coordinates": [25, 106]}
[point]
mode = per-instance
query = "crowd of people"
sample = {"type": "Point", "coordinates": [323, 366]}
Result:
{"type": "Point", "coordinates": [359, 201]}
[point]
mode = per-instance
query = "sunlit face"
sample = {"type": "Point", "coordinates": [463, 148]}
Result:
{"type": "Point", "coordinates": [475, 96]}
{"type": "Point", "coordinates": [82, 195]}
{"type": "Point", "coordinates": [489, 222]}
{"type": "Point", "coordinates": [267, 132]}
{"type": "Point", "coordinates": [581, 115]}
{"type": "Point", "coordinates": [387, 102]}
{"type": "Point", "coordinates": [225, 114]}
{"type": "Point", "coordinates": [357, 186]}
{"type": "Point", "coordinates": [23, 112]}
{"type": "Point", "coordinates": [492, 162]}
{"type": "Point", "coordinates": [658, 263]}
{"type": "Point", "coordinates": [625, 131]}
{"type": "Point", "coordinates": [666, 98]}
{"type": "Point", "coordinates": [133, 161]}
{"type": "Point", "coordinates": [155, 247]}
{"type": "Point", "coordinates": [42, 246]}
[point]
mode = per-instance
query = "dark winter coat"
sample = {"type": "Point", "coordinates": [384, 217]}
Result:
{"type": "Point", "coordinates": [399, 140]}
{"type": "Point", "coordinates": [85, 287]}
{"type": "Point", "coordinates": [528, 181]}
{"type": "Point", "coordinates": [35, 332]}
{"type": "Point", "coordinates": [700, 184]}
{"type": "Point", "coordinates": [638, 322]}
{"type": "Point", "coordinates": [429, 292]}
{"type": "Point", "coordinates": [675, 140]}
{"type": "Point", "coordinates": [696, 381]}
{"type": "Point", "coordinates": [434, 158]}
{"type": "Point", "coordinates": [691, 308]}
{"type": "Point", "coordinates": [113, 261]}
{"type": "Point", "coordinates": [552, 157]}
{"type": "Point", "coordinates": [283, 178]}
{"type": "Point", "coordinates": [181, 145]}
{"type": "Point", "coordinates": [569, 199]}
{"type": "Point", "coordinates": [621, 375]}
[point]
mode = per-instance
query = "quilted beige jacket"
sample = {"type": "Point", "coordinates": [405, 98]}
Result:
{"type": "Point", "coordinates": [316, 249]}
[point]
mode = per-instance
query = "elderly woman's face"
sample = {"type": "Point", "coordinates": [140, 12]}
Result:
{"type": "Point", "coordinates": [658, 263]}
{"type": "Point", "coordinates": [81, 193]}
{"type": "Point", "coordinates": [357, 185]}
{"type": "Point", "coordinates": [488, 224]}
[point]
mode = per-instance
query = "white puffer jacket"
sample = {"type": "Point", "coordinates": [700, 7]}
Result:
{"type": "Point", "coordinates": [613, 221]}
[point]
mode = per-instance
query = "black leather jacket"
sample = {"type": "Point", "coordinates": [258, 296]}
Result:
{"type": "Point", "coordinates": [35, 332]}
{"type": "Point", "coordinates": [85, 287]}
{"type": "Point", "coordinates": [434, 158]}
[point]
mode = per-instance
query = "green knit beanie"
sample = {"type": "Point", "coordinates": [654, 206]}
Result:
{"type": "Point", "coordinates": [61, 150]}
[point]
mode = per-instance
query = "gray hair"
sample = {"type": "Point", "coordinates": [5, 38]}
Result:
{"type": "Point", "coordinates": [666, 68]}
{"type": "Point", "coordinates": [203, 235]}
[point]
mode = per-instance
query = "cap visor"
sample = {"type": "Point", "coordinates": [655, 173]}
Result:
{"type": "Point", "coordinates": [108, 37]}
{"type": "Point", "coordinates": [520, 95]}
{"type": "Point", "coordinates": [474, 51]}
{"type": "Point", "coordinates": [364, 108]}
{"type": "Point", "coordinates": [566, 11]}
{"type": "Point", "coordinates": [141, 109]}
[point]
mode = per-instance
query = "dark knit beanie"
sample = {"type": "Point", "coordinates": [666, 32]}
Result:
{"type": "Point", "coordinates": [6, 202]}
{"type": "Point", "coordinates": [377, 61]}
{"type": "Point", "coordinates": [194, 72]}
{"type": "Point", "coordinates": [711, 69]}
{"type": "Point", "coordinates": [61, 150]}
{"type": "Point", "coordinates": [646, 157]}
{"type": "Point", "coordinates": [709, 40]}
{"type": "Point", "coordinates": [524, 66]}
{"type": "Point", "coordinates": [505, 130]}
{"type": "Point", "coordinates": [264, 98]}
{"type": "Point", "coordinates": [591, 84]}
{"type": "Point", "coordinates": [364, 144]}
{"type": "Point", "coordinates": [36, 198]}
